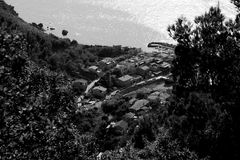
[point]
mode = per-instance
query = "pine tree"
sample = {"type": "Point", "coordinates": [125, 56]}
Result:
{"type": "Point", "coordinates": [208, 63]}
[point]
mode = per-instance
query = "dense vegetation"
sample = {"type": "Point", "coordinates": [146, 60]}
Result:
{"type": "Point", "coordinates": [37, 107]}
{"type": "Point", "coordinates": [40, 119]}
{"type": "Point", "coordinates": [205, 108]}
{"type": "Point", "coordinates": [202, 116]}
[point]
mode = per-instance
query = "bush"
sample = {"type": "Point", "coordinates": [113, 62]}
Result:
{"type": "Point", "coordinates": [36, 109]}
{"type": "Point", "coordinates": [64, 32]}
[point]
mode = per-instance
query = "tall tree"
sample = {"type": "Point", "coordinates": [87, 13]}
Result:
{"type": "Point", "coordinates": [208, 63]}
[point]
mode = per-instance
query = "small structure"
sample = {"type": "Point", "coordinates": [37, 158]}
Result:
{"type": "Point", "coordinates": [139, 105]}
{"type": "Point", "coordinates": [114, 92]}
{"type": "Point", "coordinates": [143, 70]}
{"type": "Point", "coordinates": [122, 125]}
{"type": "Point", "coordinates": [125, 81]}
{"type": "Point", "coordinates": [131, 67]}
{"type": "Point", "coordinates": [132, 101]}
{"type": "Point", "coordinates": [157, 93]}
{"type": "Point", "coordinates": [169, 80]}
{"type": "Point", "coordinates": [100, 73]}
{"type": "Point", "coordinates": [141, 62]}
{"type": "Point", "coordinates": [137, 79]}
{"type": "Point", "coordinates": [99, 91]}
{"type": "Point", "coordinates": [164, 55]}
{"type": "Point", "coordinates": [93, 69]}
{"type": "Point", "coordinates": [131, 60]}
{"type": "Point", "coordinates": [99, 156]}
{"type": "Point", "coordinates": [129, 116]}
{"type": "Point", "coordinates": [159, 61]}
{"type": "Point", "coordinates": [107, 63]}
{"type": "Point", "coordinates": [154, 67]}
{"type": "Point", "coordinates": [164, 96]}
{"type": "Point", "coordinates": [158, 73]}
{"type": "Point", "coordinates": [80, 85]}
{"type": "Point", "coordinates": [165, 67]}
{"type": "Point", "coordinates": [149, 60]}
{"type": "Point", "coordinates": [121, 68]}
{"type": "Point", "coordinates": [153, 98]}
{"type": "Point", "coordinates": [96, 70]}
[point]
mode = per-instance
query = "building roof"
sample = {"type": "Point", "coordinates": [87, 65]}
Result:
{"type": "Point", "coordinates": [129, 115]}
{"type": "Point", "coordinates": [122, 124]}
{"type": "Point", "coordinates": [165, 64]}
{"type": "Point", "coordinates": [93, 67]}
{"type": "Point", "coordinates": [114, 92]}
{"type": "Point", "coordinates": [120, 66]}
{"type": "Point", "coordinates": [159, 60]}
{"type": "Point", "coordinates": [157, 72]}
{"type": "Point", "coordinates": [137, 77]}
{"type": "Point", "coordinates": [153, 97]}
{"type": "Point", "coordinates": [145, 68]}
{"type": "Point", "coordinates": [83, 81]}
{"type": "Point", "coordinates": [157, 93]}
{"type": "Point", "coordinates": [153, 64]}
{"type": "Point", "coordinates": [138, 105]}
{"type": "Point", "coordinates": [101, 88]}
{"type": "Point", "coordinates": [125, 78]}
{"type": "Point", "coordinates": [164, 54]}
{"type": "Point", "coordinates": [131, 101]}
{"type": "Point", "coordinates": [108, 60]}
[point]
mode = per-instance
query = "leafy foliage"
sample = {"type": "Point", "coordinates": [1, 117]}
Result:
{"type": "Point", "coordinates": [236, 3]}
{"type": "Point", "coordinates": [39, 118]}
{"type": "Point", "coordinates": [37, 108]}
{"type": "Point", "coordinates": [206, 73]}
{"type": "Point", "coordinates": [163, 148]}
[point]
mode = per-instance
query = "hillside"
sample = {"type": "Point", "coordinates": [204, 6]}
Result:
{"type": "Point", "coordinates": [59, 54]}
{"type": "Point", "coordinates": [41, 116]}
{"type": "Point", "coordinates": [64, 100]}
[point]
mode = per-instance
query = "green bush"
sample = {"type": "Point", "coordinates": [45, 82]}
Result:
{"type": "Point", "coordinates": [37, 108]}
